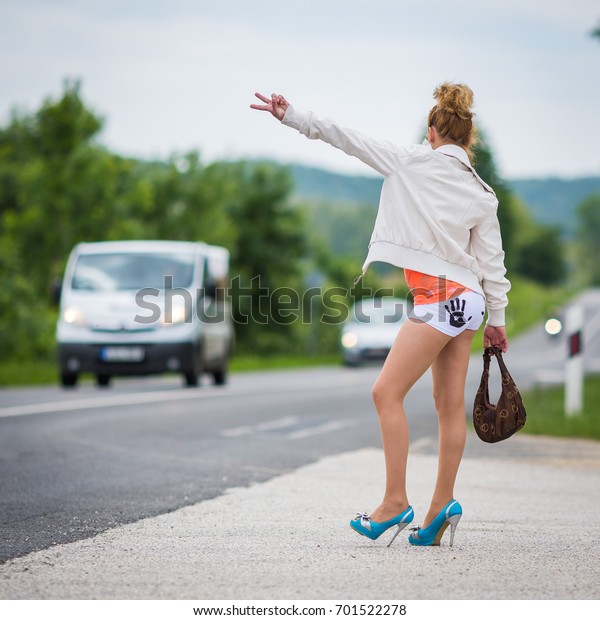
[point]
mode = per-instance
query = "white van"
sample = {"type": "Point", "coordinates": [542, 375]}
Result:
{"type": "Point", "coordinates": [145, 307]}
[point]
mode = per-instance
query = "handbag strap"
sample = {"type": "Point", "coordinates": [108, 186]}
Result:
{"type": "Point", "coordinates": [485, 377]}
{"type": "Point", "coordinates": [487, 354]}
{"type": "Point", "coordinates": [498, 354]}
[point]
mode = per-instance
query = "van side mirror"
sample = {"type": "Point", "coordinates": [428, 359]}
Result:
{"type": "Point", "coordinates": [210, 290]}
{"type": "Point", "coordinates": [56, 291]}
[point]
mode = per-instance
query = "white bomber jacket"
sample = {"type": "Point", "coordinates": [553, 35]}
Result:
{"type": "Point", "coordinates": [435, 214]}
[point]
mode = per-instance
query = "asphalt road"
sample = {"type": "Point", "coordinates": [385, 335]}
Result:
{"type": "Point", "coordinates": [95, 459]}
{"type": "Point", "coordinates": [77, 463]}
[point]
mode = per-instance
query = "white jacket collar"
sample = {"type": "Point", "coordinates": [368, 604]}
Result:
{"type": "Point", "coordinates": [459, 153]}
{"type": "Point", "coordinates": [455, 151]}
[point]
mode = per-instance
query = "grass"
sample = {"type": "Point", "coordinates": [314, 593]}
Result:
{"type": "Point", "coordinates": [28, 372]}
{"type": "Point", "coordinates": [546, 416]}
{"type": "Point", "coordinates": [276, 362]}
{"type": "Point", "coordinates": [45, 372]}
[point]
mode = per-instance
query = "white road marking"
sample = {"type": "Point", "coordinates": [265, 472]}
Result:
{"type": "Point", "coordinates": [138, 398]}
{"type": "Point", "coordinates": [280, 423]}
{"type": "Point", "coordinates": [303, 433]}
{"type": "Point", "coordinates": [328, 427]}
{"type": "Point", "coordinates": [238, 431]}
{"type": "Point", "coordinates": [101, 402]}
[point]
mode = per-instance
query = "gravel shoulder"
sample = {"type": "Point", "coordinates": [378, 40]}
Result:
{"type": "Point", "coordinates": [529, 531]}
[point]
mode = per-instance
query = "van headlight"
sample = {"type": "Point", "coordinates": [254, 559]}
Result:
{"type": "Point", "coordinates": [349, 340]}
{"type": "Point", "coordinates": [72, 315]}
{"type": "Point", "coordinates": [177, 316]}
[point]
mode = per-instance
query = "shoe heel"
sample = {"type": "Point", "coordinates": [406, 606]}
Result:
{"type": "Point", "coordinates": [401, 526]}
{"type": "Point", "coordinates": [453, 520]}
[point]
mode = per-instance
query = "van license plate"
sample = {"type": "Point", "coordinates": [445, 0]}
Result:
{"type": "Point", "coordinates": [122, 354]}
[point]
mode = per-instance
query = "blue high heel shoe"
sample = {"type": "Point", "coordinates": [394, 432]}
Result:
{"type": "Point", "coordinates": [363, 524]}
{"type": "Point", "coordinates": [432, 534]}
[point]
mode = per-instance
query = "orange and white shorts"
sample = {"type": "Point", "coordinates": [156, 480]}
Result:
{"type": "Point", "coordinates": [453, 316]}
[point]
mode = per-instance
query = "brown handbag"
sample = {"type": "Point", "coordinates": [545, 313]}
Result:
{"type": "Point", "coordinates": [497, 422]}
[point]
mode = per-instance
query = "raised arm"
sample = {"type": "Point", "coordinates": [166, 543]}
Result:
{"type": "Point", "coordinates": [381, 155]}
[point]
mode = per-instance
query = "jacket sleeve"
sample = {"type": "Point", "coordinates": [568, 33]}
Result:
{"type": "Point", "coordinates": [381, 155]}
{"type": "Point", "coordinates": [486, 245]}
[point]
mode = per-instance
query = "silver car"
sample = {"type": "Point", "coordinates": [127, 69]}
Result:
{"type": "Point", "coordinates": [371, 328]}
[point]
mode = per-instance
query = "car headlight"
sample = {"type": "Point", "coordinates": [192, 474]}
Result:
{"type": "Point", "coordinates": [553, 327]}
{"type": "Point", "coordinates": [349, 340]}
{"type": "Point", "coordinates": [73, 316]}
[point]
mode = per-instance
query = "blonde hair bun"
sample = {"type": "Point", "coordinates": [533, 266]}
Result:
{"type": "Point", "coordinates": [455, 98]}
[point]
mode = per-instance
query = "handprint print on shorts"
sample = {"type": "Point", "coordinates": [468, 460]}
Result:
{"type": "Point", "coordinates": [452, 316]}
{"type": "Point", "coordinates": [457, 312]}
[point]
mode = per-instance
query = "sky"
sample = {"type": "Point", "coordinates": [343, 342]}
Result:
{"type": "Point", "coordinates": [170, 77]}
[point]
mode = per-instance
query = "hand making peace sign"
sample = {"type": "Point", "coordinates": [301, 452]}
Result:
{"type": "Point", "coordinates": [276, 105]}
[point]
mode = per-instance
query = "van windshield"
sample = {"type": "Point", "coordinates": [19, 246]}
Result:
{"type": "Point", "coordinates": [128, 271]}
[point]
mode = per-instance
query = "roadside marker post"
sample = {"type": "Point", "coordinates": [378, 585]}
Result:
{"type": "Point", "coordinates": [574, 363]}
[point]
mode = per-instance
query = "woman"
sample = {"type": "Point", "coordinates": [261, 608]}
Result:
{"type": "Point", "coordinates": [437, 220]}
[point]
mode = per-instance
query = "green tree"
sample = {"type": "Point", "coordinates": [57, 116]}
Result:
{"type": "Point", "coordinates": [541, 257]}
{"type": "Point", "coordinates": [507, 215]}
{"type": "Point", "coordinates": [26, 326]}
{"type": "Point", "coordinates": [56, 185]}
{"type": "Point", "coordinates": [588, 239]}
{"type": "Point", "coordinates": [266, 253]}
{"type": "Point", "coordinates": [49, 170]}
{"type": "Point", "coordinates": [532, 250]}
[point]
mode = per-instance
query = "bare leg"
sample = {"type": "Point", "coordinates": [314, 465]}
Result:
{"type": "Point", "coordinates": [449, 375]}
{"type": "Point", "coordinates": [414, 350]}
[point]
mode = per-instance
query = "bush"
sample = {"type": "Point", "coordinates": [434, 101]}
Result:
{"type": "Point", "coordinates": [27, 326]}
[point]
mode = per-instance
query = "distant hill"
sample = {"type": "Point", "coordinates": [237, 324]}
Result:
{"type": "Point", "coordinates": [319, 184]}
{"type": "Point", "coordinates": [551, 200]}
